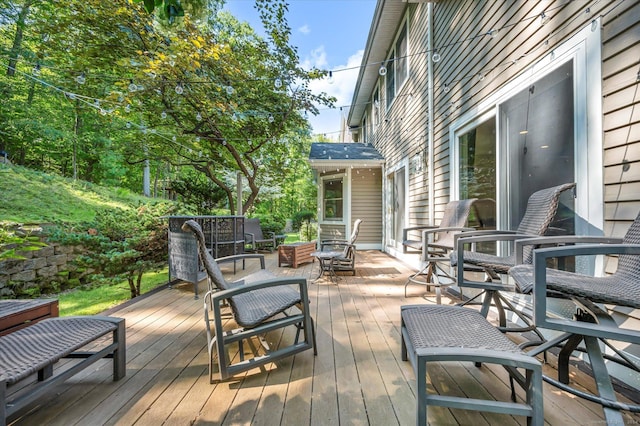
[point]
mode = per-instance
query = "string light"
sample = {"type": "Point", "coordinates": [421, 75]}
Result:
{"type": "Point", "coordinates": [80, 79]}
{"type": "Point", "coordinates": [543, 18]}
{"type": "Point", "coordinates": [179, 89]}
{"type": "Point", "coordinates": [132, 86]}
{"type": "Point", "coordinates": [383, 70]}
{"type": "Point", "coordinates": [199, 117]}
{"type": "Point", "coordinates": [436, 56]}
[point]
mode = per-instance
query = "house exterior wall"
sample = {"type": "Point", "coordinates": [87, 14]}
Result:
{"type": "Point", "coordinates": [366, 204]}
{"type": "Point", "coordinates": [402, 132]}
{"type": "Point", "coordinates": [476, 62]}
{"type": "Point", "coordinates": [363, 200]}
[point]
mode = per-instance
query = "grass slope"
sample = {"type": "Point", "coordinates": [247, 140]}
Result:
{"type": "Point", "coordinates": [28, 196]}
{"type": "Point", "coordinates": [32, 197]}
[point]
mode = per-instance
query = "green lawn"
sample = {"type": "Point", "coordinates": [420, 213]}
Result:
{"type": "Point", "coordinates": [99, 299]}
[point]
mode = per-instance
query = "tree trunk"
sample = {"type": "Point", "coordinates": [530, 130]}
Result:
{"type": "Point", "coordinates": [17, 40]}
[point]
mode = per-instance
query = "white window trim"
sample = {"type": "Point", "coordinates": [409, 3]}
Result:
{"type": "Point", "coordinates": [585, 50]}
{"type": "Point", "coordinates": [389, 171]}
{"type": "Point", "coordinates": [345, 200]}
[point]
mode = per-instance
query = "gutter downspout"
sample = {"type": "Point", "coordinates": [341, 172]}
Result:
{"type": "Point", "coordinates": [430, 115]}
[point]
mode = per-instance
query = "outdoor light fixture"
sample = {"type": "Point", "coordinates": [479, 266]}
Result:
{"type": "Point", "coordinates": [436, 56]}
{"type": "Point", "coordinates": [382, 70]}
{"type": "Point", "coordinates": [179, 89]}
{"type": "Point", "coordinates": [81, 78]}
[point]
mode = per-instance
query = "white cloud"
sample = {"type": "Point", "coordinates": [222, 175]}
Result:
{"type": "Point", "coordinates": [304, 29]}
{"type": "Point", "coordinates": [344, 82]}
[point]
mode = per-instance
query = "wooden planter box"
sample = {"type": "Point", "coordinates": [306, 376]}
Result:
{"type": "Point", "coordinates": [296, 253]}
{"type": "Point", "coordinates": [17, 314]}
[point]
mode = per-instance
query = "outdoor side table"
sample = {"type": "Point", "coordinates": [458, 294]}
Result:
{"type": "Point", "coordinates": [17, 314]}
{"type": "Point", "coordinates": [295, 253]}
{"type": "Point", "coordinates": [326, 261]}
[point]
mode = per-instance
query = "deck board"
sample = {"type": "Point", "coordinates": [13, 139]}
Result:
{"type": "Point", "coordinates": [358, 377]}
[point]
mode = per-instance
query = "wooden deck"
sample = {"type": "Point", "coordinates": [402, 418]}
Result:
{"type": "Point", "coordinates": [357, 377]}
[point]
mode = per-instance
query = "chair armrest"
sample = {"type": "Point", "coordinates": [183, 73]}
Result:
{"type": "Point", "coordinates": [561, 240]}
{"type": "Point", "coordinates": [333, 241]}
{"type": "Point", "coordinates": [473, 237]}
{"type": "Point", "coordinates": [250, 237]}
{"type": "Point", "coordinates": [342, 244]}
{"type": "Point", "coordinates": [405, 231]}
{"type": "Point", "coordinates": [236, 257]}
{"type": "Point", "coordinates": [540, 257]}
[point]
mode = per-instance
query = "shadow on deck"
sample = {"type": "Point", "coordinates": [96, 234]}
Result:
{"type": "Point", "coordinates": [358, 376]}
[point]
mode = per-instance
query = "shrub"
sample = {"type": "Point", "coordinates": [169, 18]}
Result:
{"type": "Point", "coordinates": [301, 217]}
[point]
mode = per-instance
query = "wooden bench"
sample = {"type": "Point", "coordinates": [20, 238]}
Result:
{"type": "Point", "coordinates": [35, 349]}
{"type": "Point", "coordinates": [451, 333]}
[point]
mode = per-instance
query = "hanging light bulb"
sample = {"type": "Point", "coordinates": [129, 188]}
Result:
{"type": "Point", "coordinates": [234, 117]}
{"type": "Point", "coordinates": [224, 142]}
{"type": "Point", "coordinates": [81, 78]}
{"type": "Point", "coordinates": [127, 108]}
{"type": "Point", "coordinates": [229, 90]}
{"type": "Point", "coordinates": [174, 138]}
{"type": "Point", "coordinates": [96, 102]}
{"type": "Point", "coordinates": [306, 115]}
{"type": "Point", "coordinates": [199, 117]}
{"type": "Point", "coordinates": [197, 138]}
{"type": "Point", "coordinates": [382, 70]}
{"type": "Point", "coordinates": [330, 77]}
{"type": "Point", "coordinates": [271, 119]}
{"type": "Point", "coordinates": [446, 88]}
{"type": "Point", "coordinates": [128, 125]}
{"type": "Point", "coordinates": [163, 114]}
{"type": "Point", "coordinates": [36, 69]}
{"type": "Point", "coordinates": [277, 83]}
{"type": "Point", "coordinates": [132, 86]}
{"type": "Point", "coordinates": [543, 18]}
{"type": "Point", "coordinates": [179, 89]}
{"type": "Point", "coordinates": [492, 33]}
{"type": "Point", "coordinates": [436, 56]}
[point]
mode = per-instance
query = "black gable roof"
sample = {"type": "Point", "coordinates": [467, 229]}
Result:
{"type": "Point", "coordinates": [344, 151]}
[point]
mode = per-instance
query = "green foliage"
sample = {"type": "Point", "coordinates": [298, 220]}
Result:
{"type": "Point", "coordinates": [305, 216]}
{"type": "Point", "coordinates": [271, 224]}
{"type": "Point", "coordinates": [122, 244]}
{"type": "Point", "coordinates": [14, 239]}
{"type": "Point", "coordinates": [308, 231]}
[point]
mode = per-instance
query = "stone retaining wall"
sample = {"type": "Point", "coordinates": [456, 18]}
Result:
{"type": "Point", "coordinates": [47, 270]}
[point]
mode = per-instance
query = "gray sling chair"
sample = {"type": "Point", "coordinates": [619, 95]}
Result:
{"type": "Point", "coordinates": [593, 322]}
{"type": "Point", "coordinates": [346, 261]}
{"type": "Point", "coordinates": [255, 239]}
{"type": "Point", "coordinates": [436, 244]}
{"type": "Point", "coordinates": [260, 303]}
{"type": "Point", "coordinates": [541, 209]}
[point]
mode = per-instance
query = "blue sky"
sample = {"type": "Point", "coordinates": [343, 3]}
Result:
{"type": "Point", "coordinates": [329, 34]}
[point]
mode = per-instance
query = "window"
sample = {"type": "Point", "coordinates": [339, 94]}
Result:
{"type": "Point", "coordinates": [364, 129]}
{"type": "Point", "coordinates": [333, 199]}
{"type": "Point", "coordinates": [397, 65]}
{"type": "Point", "coordinates": [540, 130]}
{"type": "Point", "coordinates": [375, 110]}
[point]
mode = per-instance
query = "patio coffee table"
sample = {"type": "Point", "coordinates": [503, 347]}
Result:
{"type": "Point", "coordinates": [326, 261]}
{"type": "Point", "coordinates": [17, 314]}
